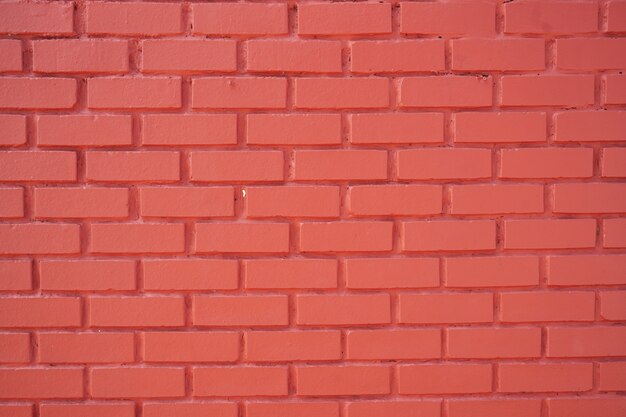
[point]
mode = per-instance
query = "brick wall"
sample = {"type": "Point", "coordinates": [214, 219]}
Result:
{"type": "Point", "coordinates": [313, 209]}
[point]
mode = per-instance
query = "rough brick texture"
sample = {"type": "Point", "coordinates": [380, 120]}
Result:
{"type": "Point", "coordinates": [312, 208]}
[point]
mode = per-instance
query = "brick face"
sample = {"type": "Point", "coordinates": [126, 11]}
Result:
{"type": "Point", "coordinates": [312, 208]}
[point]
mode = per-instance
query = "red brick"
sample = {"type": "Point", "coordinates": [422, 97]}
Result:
{"type": "Point", "coordinates": [496, 271]}
{"type": "Point", "coordinates": [10, 55]}
{"type": "Point", "coordinates": [587, 270]}
{"type": "Point", "coordinates": [494, 407]}
{"type": "Point", "coordinates": [87, 275]}
{"type": "Point", "coordinates": [393, 344]}
{"type": "Point", "coordinates": [616, 12]}
{"type": "Point", "coordinates": [136, 311]}
{"type": "Point", "coordinates": [293, 129]}
{"type": "Point", "coordinates": [581, 342]}
{"type": "Point", "coordinates": [288, 409]}
{"type": "Point", "coordinates": [293, 56]}
{"type": "Point", "coordinates": [40, 312]}
{"type": "Point", "coordinates": [241, 238]}
{"type": "Point", "coordinates": [39, 238]}
{"type": "Point", "coordinates": [80, 56]}
{"type": "Point", "coordinates": [446, 91]}
{"type": "Point", "coordinates": [15, 275]}
{"type": "Point", "coordinates": [190, 274]}
{"type": "Point", "coordinates": [496, 199]}
{"type": "Point", "coordinates": [482, 127]}
{"type": "Point", "coordinates": [589, 198]}
{"type": "Point", "coordinates": [548, 90]}
{"type": "Point", "coordinates": [344, 18]}
{"type": "Point", "coordinates": [124, 238]}
{"type": "Point", "coordinates": [613, 305]}
{"type": "Point", "coordinates": [448, 235]}
{"type": "Point", "coordinates": [614, 162]}
{"type": "Point", "coordinates": [112, 409]}
{"type": "Point", "coordinates": [190, 409]}
{"type": "Point", "coordinates": [394, 200]}
{"type": "Point", "coordinates": [189, 129]}
{"type": "Point", "coordinates": [539, 306]}
{"type": "Point", "coordinates": [84, 202]}
{"type": "Point", "coordinates": [443, 163]}
{"type": "Point", "coordinates": [12, 202]}
{"type": "Point", "coordinates": [239, 93]}
{"type": "Point", "coordinates": [342, 380]}
{"type": "Point", "coordinates": [137, 382]}
{"type": "Point", "coordinates": [187, 201]}
{"type": "Point", "coordinates": [393, 56]}
{"type": "Point", "coordinates": [190, 346]}
{"type": "Point", "coordinates": [248, 311]}
{"type": "Point", "coordinates": [37, 93]}
{"type": "Point", "coordinates": [555, 17]}
{"type": "Point", "coordinates": [341, 93]}
{"type": "Point", "coordinates": [47, 166]}
{"type": "Point", "coordinates": [84, 130]}
{"type": "Point", "coordinates": [86, 347]}
{"type": "Point", "coordinates": [14, 348]}
{"type": "Point", "coordinates": [188, 56]}
{"type": "Point", "coordinates": [614, 233]}
{"type": "Point", "coordinates": [342, 165]}
{"type": "Point", "coordinates": [546, 163]}
{"type": "Point", "coordinates": [12, 129]}
{"type": "Point", "coordinates": [615, 87]}
{"type": "Point", "coordinates": [134, 93]}
{"type": "Point", "coordinates": [421, 408]}
{"type": "Point", "coordinates": [239, 18]}
{"type": "Point", "coordinates": [231, 166]}
{"type": "Point", "coordinates": [292, 201]}
{"type": "Point", "coordinates": [16, 410]}
{"type": "Point", "coordinates": [582, 407]}
{"type": "Point", "coordinates": [590, 53]}
{"type": "Point", "coordinates": [476, 343]}
{"type": "Point", "coordinates": [268, 274]}
{"type": "Point", "coordinates": [498, 54]}
{"type": "Point", "coordinates": [240, 381]}
{"type": "Point", "coordinates": [396, 128]}
{"type": "Point", "coordinates": [541, 377]}
{"type": "Point", "coordinates": [346, 237]}
{"type": "Point", "coordinates": [372, 273]}
{"type": "Point", "coordinates": [611, 376]}
{"type": "Point", "coordinates": [455, 18]}
{"type": "Point", "coordinates": [280, 346]}
{"type": "Point", "coordinates": [37, 18]}
{"type": "Point", "coordinates": [444, 379]}
{"type": "Point", "coordinates": [133, 166]}
{"type": "Point", "coordinates": [41, 383]}
{"type": "Point", "coordinates": [143, 19]}
{"type": "Point", "coordinates": [445, 308]}
{"type": "Point", "coordinates": [550, 234]}
{"type": "Point", "coordinates": [342, 310]}
{"type": "Point", "coordinates": [590, 126]}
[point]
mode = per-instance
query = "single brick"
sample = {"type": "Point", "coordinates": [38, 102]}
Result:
{"type": "Point", "coordinates": [87, 202]}
{"type": "Point", "coordinates": [85, 348]}
{"type": "Point", "coordinates": [539, 306]}
{"type": "Point", "coordinates": [499, 127]}
{"type": "Point", "coordinates": [247, 311]}
{"type": "Point", "coordinates": [393, 344]}
{"type": "Point", "coordinates": [550, 234]}
{"type": "Point", "coordinates": [343, 310]}
{"type": "Point", "coordinates": [445, 308]}
{"type": "Point", "coordinates": [584, 342]}
{"type": "Point", "coordinates": [12, 129]}
{"type": "Point", "coordinates": [590, 53]}
{"type": "Point", "coordinates": [40, 312]}
{"type": "Point", "coordinates": [189, 129]}
{"type": "Point", "coordinates": [396, 128]}
{"type": "Point", "coordinates": [590, 126]}
{"type": "Point", "coordinates": [87, 275]}
{"type": "Point", "coordinates": [614, 233]}
{"type": "Point", "coordinates": [133, 18]}
{"type": "Point", "coordinates": [247, 19]}
{"type": "Point", "coordinates": [281, 346]}
{"type": "Point", "coordinates": [341, 93]}
{"type": "Point", "coordinates": [379, 273]}
{"type": "Point", "coordinates": [340, 164]}
{"type": "Point", "coordinates": [422, 55]}
{"type": "Point", "coordinates": [587, 270]}
{"type": "Point", "coordinates": [37, 18]}
{"type": "Point", "coordinates": [80, 56]}
{"type": "Point", "coordinates": [190, 346]}
{"type": "Point", "coordinates": [242, 381]}
{"type": "Point", "coordinates": [293, 129]}
{"type": "Point", "coordinates": [589, 198]}
{"type": "Point", "coordinates": [346, 237]}
{"type": "Point", "coordinates": [188, 56]}
{"type": "Point", "coordinates": [269, 274]}
{"type": "Point", "coordinates": [455, 18]}
{"type": "Point", "coordinates": [271, 56]}
{"type": "Point", "coordinates": [124, 238]}
{"type": "Point", "coordinates": [41, 383]}
{"type": "Point", "coordinates": [15, 276]}
{"type": "Point", "coordinates": [239, 93]}
{"type": "Point", "coordinates": [444, 379]}
{"type": "Point", "coordinates": [236, 166]}
{"type": "Point", "coordinates": [10, 55]}
{"type": "Point", "coordinates": [37, 93]}
{"type": "Point", "coordinates": [134, 92]}
{"type": "Point", "coordinates": [14, 348]}
{"type": "Point", "coordinates": [546, 163]}
{"type": "Point", "coordinates": [492, 271]}
{"type": "Point", "coordinates": [137, 382]}
{"type": "Point", "coordinates": [542, 377]}
{"type": "Point", "coordinates": [84, 130]}
{"type": "Point", "coordinates": [292, 201]}
{"type": "Point", "coordinates": [133, 166]}
{"type": "Point", "coordinates": [189, 274]}
{"type": "Point", "coordinates": [548, 90]}
{"type": "Point", "coordinates": [443, 163]}
{"type": "Point", "coordinates": [39, 239]}
{"type": "Point", "coordinates": [448, 235]}
{"type": "Point", "coordinates": [136, 311]}
{"type": "Point", "coordinates": [498, 54]}
{"type": "Point", "coordinates": [394, 200]}
{"type": "Point", "coordinates": [475, 343]}
{"type": "Point", "coordinates": [446, 91]}
{"type": "Point", "coordinates": [613, 163]}
{"type": "Point", "coordinates": [496, 199]}
{"type": "Point", "coordinates": [46, 166]}
{"type": "Point", "coordinates": [187, 201]}
{"type": "Point", "coordinates": [12, 202]}
{"type": "Point", "coordinates": [344, 18]}
{"type": "Point", "coordinates": [241, 238]}
{"type": "Point", "coordinates": [327, 380]}
{"type": "Point", "coordinates": [554, 17]}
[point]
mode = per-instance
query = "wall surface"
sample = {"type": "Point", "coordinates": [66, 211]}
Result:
{"type": "Point", "coordinates": [313, 209]}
